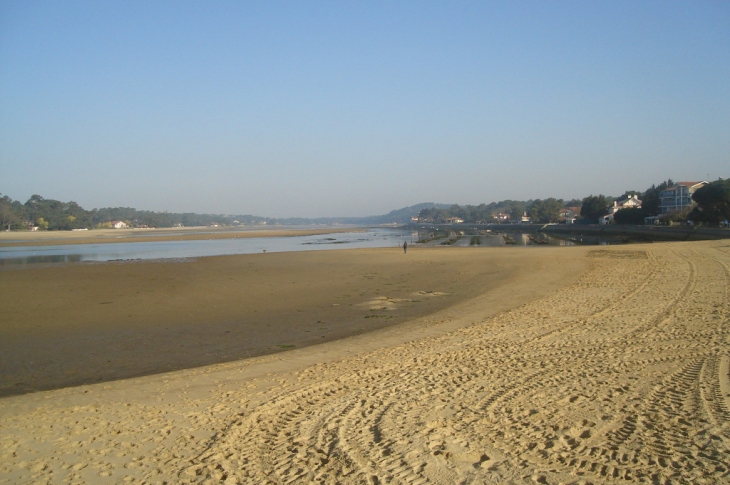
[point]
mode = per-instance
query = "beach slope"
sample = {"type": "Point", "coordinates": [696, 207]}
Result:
{"type": "Point", "coordinates": [619, 375]}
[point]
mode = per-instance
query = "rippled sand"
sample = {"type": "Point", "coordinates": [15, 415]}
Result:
{"type": "Point", "coordinates": [619, 376]}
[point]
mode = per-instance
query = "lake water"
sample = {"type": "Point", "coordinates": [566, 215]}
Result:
{"type": "Point", "coordinates": [372, 238]}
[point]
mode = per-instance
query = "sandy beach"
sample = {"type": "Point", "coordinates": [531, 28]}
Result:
{"type": "Point", "coordinates": [570, 365]}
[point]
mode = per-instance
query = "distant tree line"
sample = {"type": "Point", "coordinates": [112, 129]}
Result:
{"type": "Point", "coordinates": [538, 210]}
{"type": "Point", "coordinates": [54, 215]}
{"type": "Point", "coordinates": [712, 206]}
{"type": "Point", "coordinates": [479, 214]}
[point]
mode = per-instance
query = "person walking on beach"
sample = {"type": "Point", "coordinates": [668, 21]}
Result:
{"type": "Point", "coordinates": [405, 246]}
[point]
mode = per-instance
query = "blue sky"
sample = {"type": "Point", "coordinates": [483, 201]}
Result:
{"type": "Point", "coordinates": [357, 108]}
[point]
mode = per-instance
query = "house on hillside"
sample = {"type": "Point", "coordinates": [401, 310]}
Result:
{"type": "Point", "coordinates": [119, 225]}
{"type": "Point", "coordinates": [568, 215]}
{"type": "Point", "coordinates": [454, 220]}
{"type": "Point", "coordinates": [633, 202]}
{"type": "Point", "coordinates": [679, 197]}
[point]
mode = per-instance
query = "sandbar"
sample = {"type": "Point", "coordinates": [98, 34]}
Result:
{"type": "Point", "coordinates": [101, 236]}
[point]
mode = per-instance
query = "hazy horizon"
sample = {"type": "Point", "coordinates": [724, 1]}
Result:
{"type": "Point", "coordinates": [334, 109]}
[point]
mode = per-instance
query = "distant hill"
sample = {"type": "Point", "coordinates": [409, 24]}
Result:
{"type": "Point", "coordinates": [403, 216]}
{"type": "Point", "coordinates": [398, 216]}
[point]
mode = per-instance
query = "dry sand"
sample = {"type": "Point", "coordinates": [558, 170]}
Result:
{"type": "Point", "coordinates": [619, 373]}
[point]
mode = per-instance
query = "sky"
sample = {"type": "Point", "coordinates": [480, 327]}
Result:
{"type": "Point", "coordinates": [341, 108]}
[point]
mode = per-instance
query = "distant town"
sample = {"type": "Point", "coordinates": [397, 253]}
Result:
{"type": "Point", "coordinates": [668, 203]}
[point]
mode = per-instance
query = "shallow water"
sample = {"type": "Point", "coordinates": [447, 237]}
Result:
{"type": "Point", "coordinates": [373, 238]}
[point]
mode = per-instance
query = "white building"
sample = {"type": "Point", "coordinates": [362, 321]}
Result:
{"type": "Point", "coordinates": [679, 197]}
{"type": "Point", "coordinates": [633, 202]}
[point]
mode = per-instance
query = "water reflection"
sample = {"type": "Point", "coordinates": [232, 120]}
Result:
{"type": "Point", "coordinates": [489, 239]}
{"type": "Point", "coordinates": [372, 238]}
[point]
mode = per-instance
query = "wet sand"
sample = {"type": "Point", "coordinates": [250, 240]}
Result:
{"type": "Point", "coordinates": [80, 323]}
{"type": "Point", "coordinates": [587, 365]}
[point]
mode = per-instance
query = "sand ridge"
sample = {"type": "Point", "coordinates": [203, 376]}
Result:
{"type": "Point", "coordinates": [622, 376]}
